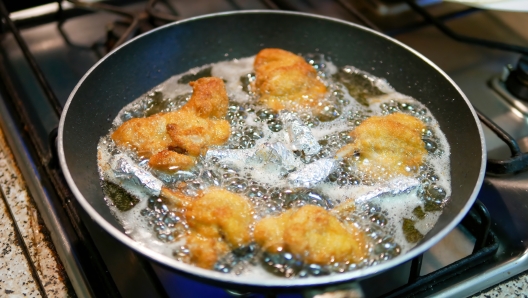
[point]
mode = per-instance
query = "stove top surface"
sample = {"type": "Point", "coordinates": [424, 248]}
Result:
{"type": "Point", "coordinates": [66, 50]}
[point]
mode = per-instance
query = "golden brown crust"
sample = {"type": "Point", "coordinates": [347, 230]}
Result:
{"type": "Point", "coordinates": [193, 135]}
{"type": "Point", "coordinates": [209, 99]}
{"type": "Point", "coordinates": [269, 232]}
{"type": "Point", "coordinates": [218, 216]}
{"type": "Point", "coordinates": [314, 230]}
{"type": "Point", "coordinates": [286, 81]}
{"type": "Point", "coordinates": [190, 130]}
{"type": "Point", "coordinates": [387, 146]}
{"type": "Point", "coordinates": [220, 213]}
{"type": "Point", "coordinates": [205, 251]}
{"type": "Point", "coordinates": [175, 198]}
{"type": "Point", "coordinates": [145, 135]}
{"type": "Point", "coordinates": [169, 161]}
{"type": "Point", "coordinates": [314, 234]}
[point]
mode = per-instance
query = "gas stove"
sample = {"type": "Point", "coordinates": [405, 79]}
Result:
{"type": "Point", "coordinates": [59, 42]}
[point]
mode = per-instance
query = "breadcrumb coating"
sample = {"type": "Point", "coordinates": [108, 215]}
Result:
{"type": "Point", "coordinates": [312, 233]}
{"type": "Point", "coordinates": [286, 81]}
{"type": "Point", "coordinates": [219, 221]}
{"type": "Point", "coordinates": [386, 146]}
{"type": "Point", "coordinates": [172, 140]}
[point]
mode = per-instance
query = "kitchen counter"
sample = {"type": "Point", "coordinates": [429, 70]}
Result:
{"type": "Point", "coordinates": [514, 287]}
{"type": "Point", "coordinates": [29, 266]}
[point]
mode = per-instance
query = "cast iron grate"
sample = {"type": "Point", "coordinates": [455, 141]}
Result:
{"type": "Point", "coordinates": [477, 222]}
{"type": "Point", "coordinates": [519, 160]}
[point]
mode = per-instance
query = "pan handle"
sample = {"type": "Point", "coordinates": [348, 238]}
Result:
{"type": "Point", "coordinates": [348, 290]}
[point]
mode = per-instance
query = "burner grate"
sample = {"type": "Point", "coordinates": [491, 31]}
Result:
{"type": "Point", "coordinates": [133, 23]}
{"type": "Point", "coordinates": [477, 222]}
{"type": "Point", "coordinates": [462, 38]}
{"type": "Point", "coordinates": [516, 163]}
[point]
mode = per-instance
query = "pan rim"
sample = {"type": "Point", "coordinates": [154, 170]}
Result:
{"type": "Point", "coordinates": [272, 282]}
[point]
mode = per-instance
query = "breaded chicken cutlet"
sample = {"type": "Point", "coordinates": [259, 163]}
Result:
{"type": "Point", "coordinates": [172, 140]}
{"type": "Point", "coordinates": [313, 234]}
{"type": "Point", "coordinates": [386, 146]}
{"type": "Point", "coordinates": [286, 81]}
{"type": "Point", "coordinates": [219, 221]}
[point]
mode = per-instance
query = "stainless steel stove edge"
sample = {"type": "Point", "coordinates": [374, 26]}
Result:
{"type": "Point", "coordinates": [487, 278]}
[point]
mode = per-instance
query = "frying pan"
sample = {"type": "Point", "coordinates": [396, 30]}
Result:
{"type": "Point", "coordinates": [148, 60]}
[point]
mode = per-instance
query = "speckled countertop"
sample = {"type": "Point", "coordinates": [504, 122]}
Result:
{"type": "Point", "coordinates": [29, 266]}
{"type": "Point", "coordinates": [514, 287]}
